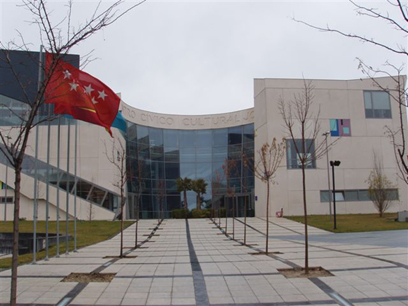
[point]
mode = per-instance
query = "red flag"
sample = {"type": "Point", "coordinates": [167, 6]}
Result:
{"type": "Point", "coordinates": [80, 95]}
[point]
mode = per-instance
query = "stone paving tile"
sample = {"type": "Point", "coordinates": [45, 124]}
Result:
{"type": "Point", "coordinates": [163, 274]}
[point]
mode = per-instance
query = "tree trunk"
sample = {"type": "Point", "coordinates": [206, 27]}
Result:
{"type": "Point", "coordinates": [245, 218]}
{"type": "Point", "coordinates": [185, 200]}
{"type": "Point", "coordinates": [305, 220]}
{"type": "Point", "coordinates": [137, 221]}
{"type": "Point", "coordinates": [267, 219]}
{"type": "Point", "coordinates": [14, 263]}
{"type": "Point", "coordinates": [233, 214]}
{"type": "Point", "coordinates": [121, 224]}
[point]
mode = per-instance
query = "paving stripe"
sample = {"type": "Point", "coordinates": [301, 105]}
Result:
{"type": "Point", "coordinates": [200, 289]}
{"type": "Point", "coordinates": [323, 286]}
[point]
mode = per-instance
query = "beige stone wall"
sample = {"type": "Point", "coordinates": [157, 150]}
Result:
{"type": "Point", "coordinates": [337, 100]}
{"type": "Point", "coordinates": [187, 122]}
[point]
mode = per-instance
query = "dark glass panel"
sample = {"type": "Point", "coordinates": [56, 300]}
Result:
{"type": "Point", "coordinates": [157, 170]}
{"type": "Point", "coordinates": [131, 132]}
{"type": "Point", "coordinates": [172, 154]}
{"type": "Point", "coordinates": [187, 170]}
{"type": "Point", "coordinates": [173, 202]}
{"type": "Point", "coordinates": [249, 133]}
{"type": "Point", "coordinates": [97, 195]}
{"type": "Point", "coordinates": [235, 135]}
{"type": "Point", "coordinates": [172, 170]}
{"type": "Point", "coordinates": [155, 137]}
{"type": "Point", "coordinates": [203, 154]}
{"type": "Point", "coordinates": [220, 137]}
{"type": "Point", "coordinates": [143, 134]}
{"type": "Point", "coordinates": [204, 139]}
{"type": "Point", "coordinates": [203, 170]}
{"type": "Point", "coordinates": [187, 138]}
{"type": "Point", "coordinates": [187, 155]}
{"type": "Point", "coordinates": [219, 154]}
{"type": "Point", "coordinates": [83, 189]}
{"type": "Point", "coordinates": [171, 139]}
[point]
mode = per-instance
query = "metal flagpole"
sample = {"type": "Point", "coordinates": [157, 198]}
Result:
{"type": "Point", "coordinates": [67, 182]}
{"type": "Point", "coordinates": [35, 208]}
{"type": "Point", "coordinates": [58, 185]}
{"type": "Point", "coordinates": [47, 198]}
{"type": "Point", "coordinates": [75, 184]}
{"type": "Point", "coordinates": [35, 199]}
{"type": "Point", "coordinates": [5, 201]}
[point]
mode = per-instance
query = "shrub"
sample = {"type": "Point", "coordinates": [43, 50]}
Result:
{"type": "Point", "coordinates": [179, 213]}
{"type": "Point", "coordinates": [204, 213]}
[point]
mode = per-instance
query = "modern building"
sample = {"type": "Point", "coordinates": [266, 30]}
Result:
{"type": "Point", "coordinates": [162, 147]}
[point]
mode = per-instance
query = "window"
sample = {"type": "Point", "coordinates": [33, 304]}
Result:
{"type": "Point", "coordinates": [340, 127]}
{"type": "Point", "coordinates": [293, 159]}
{"type": "Point", "coordinates": [3, 200]}
{"type": "Point", "coordinates": [353, 195]}
{"type": "Point", "coordinates": [377, 104]}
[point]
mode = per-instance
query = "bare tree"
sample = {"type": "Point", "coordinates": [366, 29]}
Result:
{"type": "Point", "coordinates": [161, 193]}
{"type": "Point", "coordinates": [298, 112]}
{"type": "Point", "coordinates": [58, 37]}
{"type": "Point", "coordinates": [398, 94]}
{"type": "Point", "coordinates": [229, 167]}
{"type": "Point", "coordinates": [380, 188]}
{"type": "Point", "coordinates": [396, 18]}
{"type": "Point", "coordinates": [269, 158]}
{"type": "Point", "coordinates": [216, 183]}
{"type": "Point", "coordinates": [138, 191]}
{"type": "Point", "coordinates": [117, 156]}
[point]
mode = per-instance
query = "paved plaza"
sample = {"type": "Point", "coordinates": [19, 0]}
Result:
{"type": "Point", "coordinates": [193, 263]}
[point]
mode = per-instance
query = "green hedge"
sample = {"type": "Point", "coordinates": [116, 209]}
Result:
{"type": "Point", "coordinates": [179, 213]}
{"type": "Point", "coordinates": [182, 213]}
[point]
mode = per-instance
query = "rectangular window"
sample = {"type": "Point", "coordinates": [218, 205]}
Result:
{"type": "Point", "coordinates": [377, 104]}
{"type": "Point", "coordinates": [354, 195]}
{"type": "Point", "coordinates": [294, 159]}
{"type": "Point", "coordinates": [340, 127]}
{"type": "Point", "coordinates": [3, 200]}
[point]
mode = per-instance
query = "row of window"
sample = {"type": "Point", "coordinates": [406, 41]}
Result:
{"type": "Point", "coordinates": [353, 195]}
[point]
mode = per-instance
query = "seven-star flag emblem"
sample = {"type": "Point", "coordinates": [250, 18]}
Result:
{"type": "Point", "coordinates": [76, 93]}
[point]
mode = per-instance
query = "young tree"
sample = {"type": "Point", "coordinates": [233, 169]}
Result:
{"type": "Point", "coordinates": [161, 193]}
{"type": "Point", "coordinates": [199, 186]}
{"type": "Point", "coordinates": [299, 113]}
{"type": "Point", "coordinates": [269, 158]}
{"type": "Point", "coordinates": [380, 187]}
{"type": "Point", "coordinates": [118, 157]}
{"type": "Point", "coordinates": [184, 185]}
{"type": "Point", "coordinates": [216, 183]}
{"type": "Point", "coordinates": [51, 32]}
{"type": "Point", "coordinates": [229, 167]}
{"type": "Point", "coordinates": [396, 17]}
{"type": "Point", "coordinates": [138, 191]}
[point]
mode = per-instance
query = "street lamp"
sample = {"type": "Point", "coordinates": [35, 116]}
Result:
{"type": "Point", "coordinates": [333, 164]}
{"type": "Point", "coordinates": [328, 173]}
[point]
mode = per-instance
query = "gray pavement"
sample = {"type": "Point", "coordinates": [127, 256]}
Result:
{"type": "Point", "coordinates": [193, 263]}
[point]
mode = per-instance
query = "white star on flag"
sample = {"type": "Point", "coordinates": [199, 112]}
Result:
{"type": "Point", "coordinates": [73, 86]}
{"type": "Point", "coordinates": [67, 74]}
{"type": "Point", "coordinates": [88, 89]}
{"type": "Point", "coordinates": [102, 94]}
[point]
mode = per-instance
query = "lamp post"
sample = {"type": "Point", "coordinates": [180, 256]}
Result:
{"type": "Point", "coordinates": [328, 174]}
{"type": "Point", "coordinates": [333, 164]}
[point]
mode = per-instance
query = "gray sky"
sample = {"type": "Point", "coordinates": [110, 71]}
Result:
{"type": "Point", "coordinates": [200, 57]}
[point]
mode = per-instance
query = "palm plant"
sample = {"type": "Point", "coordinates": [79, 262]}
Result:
{"type": "Point", "coordinates": [184, 185]}
{"type": "Point", "coordinates": [199, 186]}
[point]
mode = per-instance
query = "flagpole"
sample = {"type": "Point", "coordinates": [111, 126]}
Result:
{"type": "Point", "coordinates": [67, 186]}
{"type": "Point", "coordinates": [47, 202]}
{"type": "Point", "coordinates": [75, 184]}
{"type": "Point", "coordinates": [5, 202]}
{"type": "Point", "coordinates": [58, 185]}
{"type": "Point", "coordinates": [35, 199]}
{"type": "Point", "coordinates": [35, 206]}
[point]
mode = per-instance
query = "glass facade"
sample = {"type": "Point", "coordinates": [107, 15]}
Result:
{"type": "Point", "coordinates": [157, 157]}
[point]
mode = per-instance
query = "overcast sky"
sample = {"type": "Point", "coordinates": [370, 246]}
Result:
{"type": "Point", "coordinates": [200, 57]}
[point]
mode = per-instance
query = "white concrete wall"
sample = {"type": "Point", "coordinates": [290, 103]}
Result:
{"type": "Point", "coordinates": [337, 100]}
